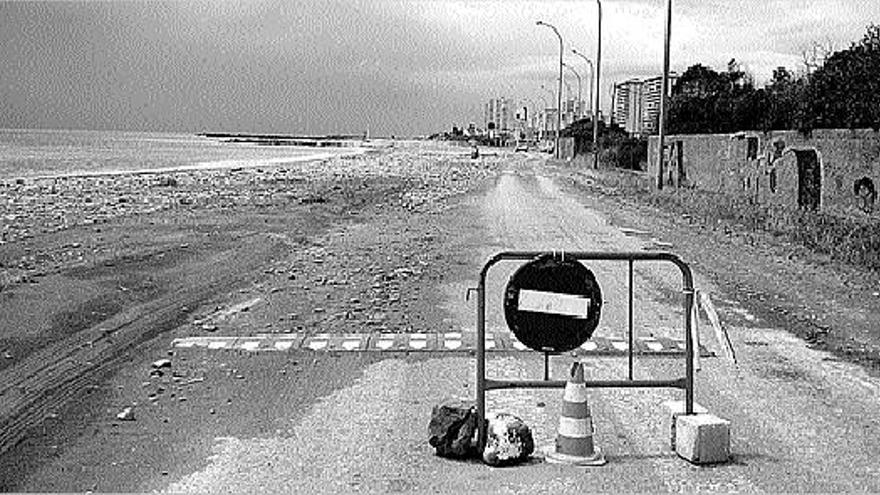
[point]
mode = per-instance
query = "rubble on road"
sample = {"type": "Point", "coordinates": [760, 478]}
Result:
{"type": "Point", "coordinates": [453, 428]}
{"type": "Point", "coordinates": [509, 440]}
{"type": "Point", "coordinates": [126, 414]}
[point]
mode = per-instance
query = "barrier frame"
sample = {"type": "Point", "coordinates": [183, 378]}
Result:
{"type": "Point", "coordinates": [686, 383]}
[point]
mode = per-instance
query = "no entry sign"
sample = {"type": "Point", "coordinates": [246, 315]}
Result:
{"type": "Point", "coordinates": [552, 304]}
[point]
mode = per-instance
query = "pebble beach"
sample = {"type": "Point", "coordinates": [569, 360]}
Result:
{"type": "Point", "coordinates": [35, 207]}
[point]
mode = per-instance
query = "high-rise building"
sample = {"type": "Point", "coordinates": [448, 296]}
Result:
{"type": "Point", "coordinates": [500, 112]}
{"type": "Point", "coordinates": [627, 105]}
{"type": "Point", "coordinates": [636, 105]}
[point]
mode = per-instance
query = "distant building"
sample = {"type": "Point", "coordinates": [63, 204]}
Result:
{"type": "Point", "coordinates": [636, 104]}
{"type": "Point", "coordinates": [500, 112]}
{"type": "Point", "coordinates": [627, 106]}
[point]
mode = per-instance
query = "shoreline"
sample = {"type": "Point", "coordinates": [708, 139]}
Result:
{"type": "Point", "coordinates": [198, 167]}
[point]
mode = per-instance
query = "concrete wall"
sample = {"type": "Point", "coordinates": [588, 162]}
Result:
{"type": "Point", "coordinates": [777, 169]}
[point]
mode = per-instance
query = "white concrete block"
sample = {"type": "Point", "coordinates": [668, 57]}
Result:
{"type": "Point", "coordinates": [702, 438]}
{"type": "Point", "coordinates": [676, 408]}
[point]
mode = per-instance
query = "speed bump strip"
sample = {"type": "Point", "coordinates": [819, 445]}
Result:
{"type": "Point", "coordinates": [423, 342]}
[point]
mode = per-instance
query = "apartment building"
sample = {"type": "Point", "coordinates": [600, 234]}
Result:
{"type": "Point", "coordinates": [636, 104]}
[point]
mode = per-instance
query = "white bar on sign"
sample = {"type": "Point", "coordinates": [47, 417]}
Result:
{"type": "Point", "coordinates": [351, 344]}
{"type": "Point", "coordinates": [452, 344]}
{"type": "Point", "coordinates": [283, 345]}
{"type": "Point", "coordinates": [217, 345]}
{"type": "Point", "coordinates": [384, 344]}
{"type": "Point", "coordinates": [554, 303]}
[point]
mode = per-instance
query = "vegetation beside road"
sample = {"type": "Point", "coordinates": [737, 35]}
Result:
{"type": "Point", "coordinates": [850, 240]}
{"type": "Point", "coordinates": [784, 265]}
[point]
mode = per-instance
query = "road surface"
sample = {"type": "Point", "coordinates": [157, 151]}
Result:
{"type": "Point", "coordinates": [800, 420]}
{"type": "Point", "coordinates": [300, 419]}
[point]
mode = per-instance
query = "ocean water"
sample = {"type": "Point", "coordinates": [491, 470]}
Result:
{"type": "Point", "coordinates": [38, 153]}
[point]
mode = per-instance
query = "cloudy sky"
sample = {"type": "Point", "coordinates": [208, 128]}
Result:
{"type": "Point", "coordinates": [403, 67]}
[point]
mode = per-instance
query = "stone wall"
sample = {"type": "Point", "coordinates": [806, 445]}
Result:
{"type": "Point", "coordinates": [782, 167]}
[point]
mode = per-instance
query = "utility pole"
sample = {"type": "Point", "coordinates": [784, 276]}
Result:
{"type": "Point", "coordinates": [598, 90]}
{"type": "Point", "coordinates": [664, 89]}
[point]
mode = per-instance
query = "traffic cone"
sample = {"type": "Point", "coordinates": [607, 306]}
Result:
{"type": "Point", "coordinates": [574, 440]}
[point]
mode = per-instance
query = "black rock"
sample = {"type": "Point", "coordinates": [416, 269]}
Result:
{"type": "Point", "coordinates": [453, 428]}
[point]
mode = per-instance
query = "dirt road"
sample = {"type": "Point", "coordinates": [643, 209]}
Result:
{"type": "Point", "coordinates": [295, 420]}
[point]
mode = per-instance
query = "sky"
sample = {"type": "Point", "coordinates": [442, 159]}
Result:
{"type": "Point", "coordinates": [390, 67]}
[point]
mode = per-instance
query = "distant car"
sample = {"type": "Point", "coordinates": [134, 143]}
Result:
{"type": "Point", "coordinates": [522, 147]}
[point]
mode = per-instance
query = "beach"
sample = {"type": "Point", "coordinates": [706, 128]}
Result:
{"type": "Point", "coordinates": [94, 266]}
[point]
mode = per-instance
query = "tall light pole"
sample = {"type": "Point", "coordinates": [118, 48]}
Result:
{"type": "Point", "coordinates": [559, 90]}
{"type": "Point", "coordinates": [578, 76]}
{"type": "Point", "coordinates": [592, 75]}
{"type": "Point", "coordinates": [664, 90]}
{"type": "Point", "coordinates": [598, 92]}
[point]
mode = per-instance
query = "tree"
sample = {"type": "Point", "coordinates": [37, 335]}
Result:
{"type": "Point", "coordinates": [845, 91]}
{"type": "Point", "coordinates": [706, 101]}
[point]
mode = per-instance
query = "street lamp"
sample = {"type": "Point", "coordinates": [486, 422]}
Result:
{"type": "Point", "coordinates": [578, 108]}
{"type": "Point", "coordinates": [559, 90]}
{"type": "Point", "coordinates": [589, 86]}
{"type": "Point", "coordinates": [598, 89]}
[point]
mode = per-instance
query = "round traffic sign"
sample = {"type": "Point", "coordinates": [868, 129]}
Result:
{"type": "Point", "coordinates": [552, 304]}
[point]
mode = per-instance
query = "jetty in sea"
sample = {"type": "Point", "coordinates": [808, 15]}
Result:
{"type": "Point", "coordinates": [329, 141]}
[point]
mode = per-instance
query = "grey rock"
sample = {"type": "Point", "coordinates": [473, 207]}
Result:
{"type": "Point", "coordinates": [162, 363]}
{"type": "Point", "coordinates": [126, 414]}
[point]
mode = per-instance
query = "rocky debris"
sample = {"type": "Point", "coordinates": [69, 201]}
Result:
{"type": "Point", "coordinates": [162, 363]}
{"type": "Point", "coordinates": [158, 367]}
{"type": "Point", "coordinates": [453, 429]}
{"type": "Point", "coordinates": [509, 440]}
{"type": "Point", "coordinates": [36, 206]}
{"type": "Point", "coordinates": [126, 414]}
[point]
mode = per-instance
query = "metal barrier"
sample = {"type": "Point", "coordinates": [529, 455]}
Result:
{"type": "Point", "coordinates": [685, 383]}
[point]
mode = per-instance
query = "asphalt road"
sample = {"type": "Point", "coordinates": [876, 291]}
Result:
{"type": "Point", "coordinates": [801, 420]}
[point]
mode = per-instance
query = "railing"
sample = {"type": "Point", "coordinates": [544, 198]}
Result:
{"type": "Point", "coordinates": [685, 383]}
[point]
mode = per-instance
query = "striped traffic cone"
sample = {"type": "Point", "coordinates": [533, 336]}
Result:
{"type": "Point", "coordinates": [574, 441]}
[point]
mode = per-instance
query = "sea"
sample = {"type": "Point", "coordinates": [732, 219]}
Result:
{"type": "Point", "coordinates": [28, 153]}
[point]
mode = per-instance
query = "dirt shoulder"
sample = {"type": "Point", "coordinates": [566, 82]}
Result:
{"type": "Point", "coordinates": [831, 305]}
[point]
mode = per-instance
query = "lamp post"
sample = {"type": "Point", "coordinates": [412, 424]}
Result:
{"type": "Point", "coordinates": [578, 108]}
{"type": "Point", "coordinates": [664, 90]}
{"type": "Point", "coordinates": [592, 70]}
{"type": "Point", "coordinates": [598, 89]}
{"type": "Point", "coordinates": [559, 90]}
